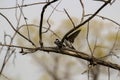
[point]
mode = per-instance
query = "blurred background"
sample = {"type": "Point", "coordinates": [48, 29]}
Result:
{"type": "Point", "coordinates": [52, 66]}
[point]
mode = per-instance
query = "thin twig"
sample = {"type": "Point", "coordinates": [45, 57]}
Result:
{"type": "Point", "coordinates": [50, 16]}
{"type": "Point", "coordinates": [83, 11]}
{"type": "Point", "coordinates": [87, 38]}
{"type": "Point", "coordinates": [56, 8]}
{"type": "Point", "coordinates": [69, 18]}
{"type": "Point", "coordinates": [115, 42]}
{"type": "Point", "coordinates": [4, 60]}
{"type": "Point", "coordinates": [116, 37]}
{"type": "Point", "coordinates": [8, 54]}
{"type": "Point", "coordinates": [5, 77]}
{"type": "Point", "coordinates": [103, 17]}
{"type": "Point", "coordinates": [25, 5]}
{"type": "Point", "coordinates": [16, 30]}
{"type": "Point", "coordinates": [25, 19]}
{"type": "Point", "coordinates": [42, 27]}
{"type": "Point", "coordinates": [95, 46]}
{"type": "Point", "coordinates": [17, 19]}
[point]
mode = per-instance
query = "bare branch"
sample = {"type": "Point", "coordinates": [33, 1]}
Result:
{"type": "Point", "coordinates": [41, 21]}
{"type": "Point", "coordinates": [16, 30]}
{"type": "Point", "coordinates": [50, 16]}
{"type": "Point", "coordinates": [70, 36]}
{"type": "Point", "coordinates": [70, 18]}
{"type": "Point", "coordinates": [42, 27]}
{"type": "Point", "coordinates": [78, 26]}
{"type": "Point", "coordinates": [103, 17]}
{"type": "Point", "coordinates": [25, 19]}
{"type": "Point", "coordinates": [83, 11]}
{"type": "Point", "coordinates": [71, 52]}
{"type": "Point", "coordinates": [87, 38]}
{"type": "Point", "coordinates": [116, 37]}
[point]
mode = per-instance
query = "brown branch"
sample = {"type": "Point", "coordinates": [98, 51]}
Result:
{"type": "Point", "coordinates": [49, 25]}
{"type": "Point", "coordinates": [78, 26]}
{"type": "Point", "coordinates": [73, 53]}
{"type": "Point", "coordinates": [41, 21]}
{"type": "Point", "coordinates": [81, 55]}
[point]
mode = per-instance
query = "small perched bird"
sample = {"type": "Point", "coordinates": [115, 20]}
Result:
{"type": "Point", "coordinates": [58, 43]}
{"type": "Point", "coordinates": [68, 41]}
{"type": "Point", "coordinates": [68, 44]}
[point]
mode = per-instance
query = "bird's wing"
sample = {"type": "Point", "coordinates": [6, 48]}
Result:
{"type": "Point", "coordinates": [72, 36]}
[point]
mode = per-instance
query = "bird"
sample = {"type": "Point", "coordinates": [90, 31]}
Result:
{"type": "Point", "coordinates": [58, 43]}
{"type": "Point", "coordinates": [72, 36]}
{"type": "Point", "coordinates": [68, 40]}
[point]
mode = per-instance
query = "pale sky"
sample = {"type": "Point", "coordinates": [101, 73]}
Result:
{"type": "Point", "coordinates": [32, 13]}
